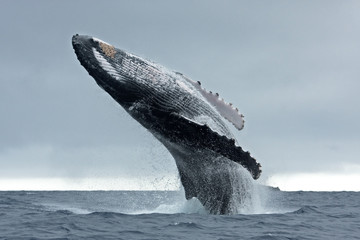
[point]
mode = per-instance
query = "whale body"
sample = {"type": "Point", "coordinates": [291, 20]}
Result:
{"type": "Point", "coordinates": [188, 120]}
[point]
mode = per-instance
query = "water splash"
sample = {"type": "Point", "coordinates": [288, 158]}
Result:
{"type": "Point", "coordinates": [186, 206]}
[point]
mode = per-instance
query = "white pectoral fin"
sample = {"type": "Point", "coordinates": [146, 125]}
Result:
{"type": "Point", "coordinates": [227, 110]}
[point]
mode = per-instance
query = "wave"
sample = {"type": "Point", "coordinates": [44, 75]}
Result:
{"type": "Point", "coordinates": [307, 210]}
{"type": "Point", "coordinates": [263, 201]}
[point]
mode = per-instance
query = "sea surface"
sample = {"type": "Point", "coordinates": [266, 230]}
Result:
{"type": "Point", "coordinates": [167, 215]}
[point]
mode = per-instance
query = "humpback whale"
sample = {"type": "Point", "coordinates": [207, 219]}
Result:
{"type": "Point", "coordinates": [186, 118]}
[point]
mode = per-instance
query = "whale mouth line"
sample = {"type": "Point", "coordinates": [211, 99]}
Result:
{"type": "Point", "coordinates": [186, 118]}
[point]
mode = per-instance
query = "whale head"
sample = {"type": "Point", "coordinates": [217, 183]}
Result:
{"type": "Point", "coordinates": [103, 63]}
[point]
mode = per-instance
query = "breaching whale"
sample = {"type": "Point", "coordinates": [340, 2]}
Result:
{"type": "Point", "coordinates": [180, 113]}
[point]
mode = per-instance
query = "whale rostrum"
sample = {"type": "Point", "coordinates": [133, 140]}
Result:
{"type": "Point", "coordinates": [186, 118]}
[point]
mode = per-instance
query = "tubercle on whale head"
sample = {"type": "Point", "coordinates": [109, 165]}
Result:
{"type": "Point", "coordinates": [105, 63]}
{"type": "Point", "coordinates": [93, 52]}
{"type": "Point", "coordinates": [107, 49]}
{"type": "Point", "coordinates": [87, 42]}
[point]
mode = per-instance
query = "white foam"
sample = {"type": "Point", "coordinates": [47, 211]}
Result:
{"type": "Point", "coordinates": [184, 206]}
{"type": "Point", "coordinates": [180, 205]}
{"type": "Point", "coordinates": [60, 207]}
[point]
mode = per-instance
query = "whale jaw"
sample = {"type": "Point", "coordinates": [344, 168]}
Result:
{"type": "Point", "coordinates": [188, 120]}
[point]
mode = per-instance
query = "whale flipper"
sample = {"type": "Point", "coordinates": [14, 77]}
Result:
{"type": "Point", "coordinates": [226, 110]}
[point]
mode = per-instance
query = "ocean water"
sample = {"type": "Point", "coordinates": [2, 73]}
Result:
{"type": "Point", "coordinates": [167, 215]}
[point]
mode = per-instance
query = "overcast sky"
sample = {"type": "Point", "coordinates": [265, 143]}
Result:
{"type": "Point", "coordinates": [291, 67]}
